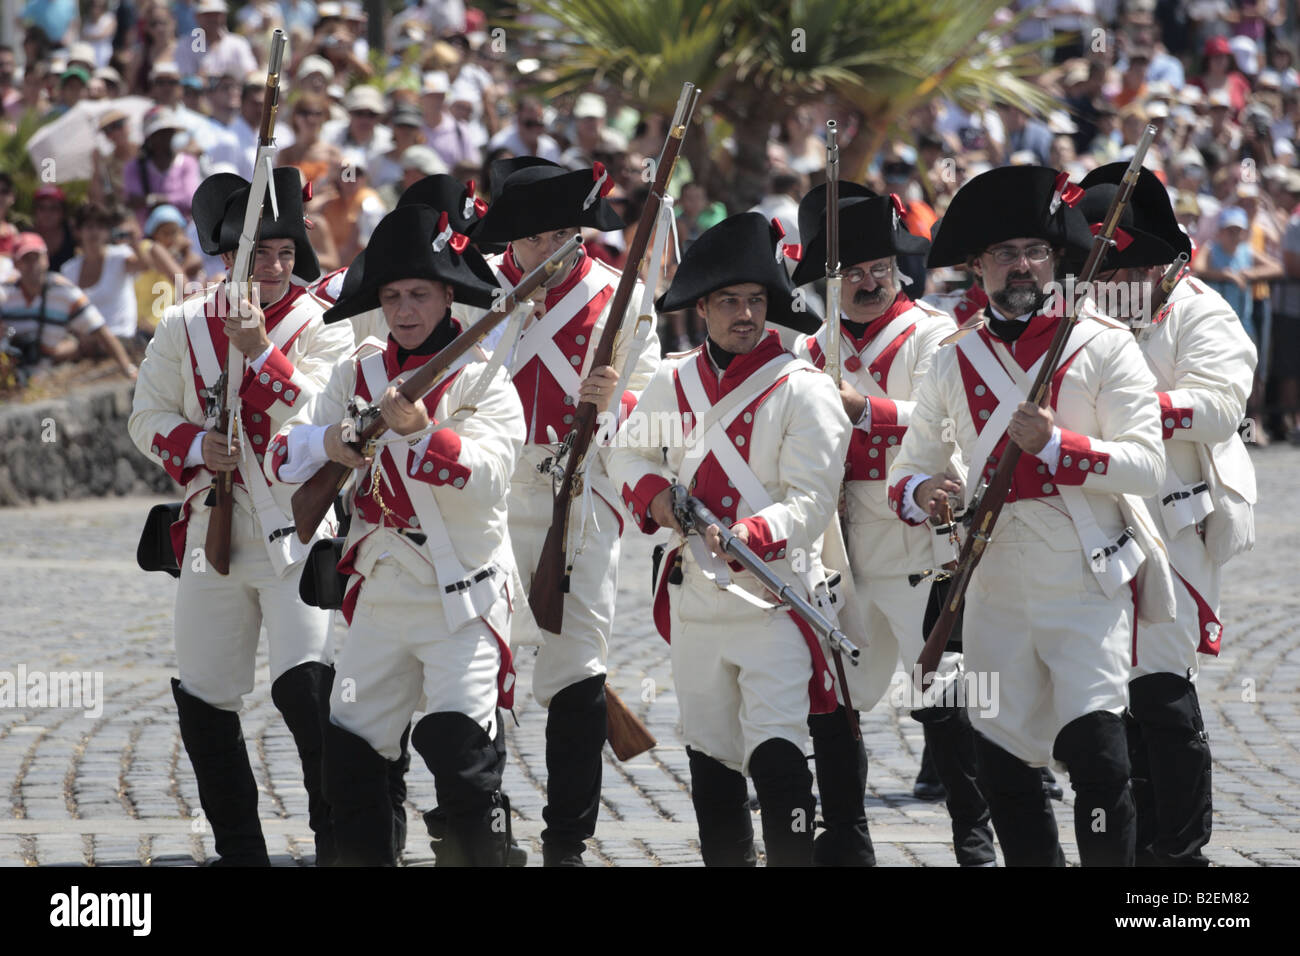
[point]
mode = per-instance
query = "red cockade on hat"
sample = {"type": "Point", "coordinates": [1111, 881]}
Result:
{"type": "Point", "coordinates": [306, 191]}
{"type": "Point", "coordinates": [472, 203]}
{"type": "Point", "coordinates": [448, 236]}
{"type": "Point", "coordinates": [1064, 191]}
{"type": "Point", "coordinates": [1121, 238]}
{"type": "Point", "coordinates": [604, 185]}
{"type": "Point", "coordinates": [784, 250]}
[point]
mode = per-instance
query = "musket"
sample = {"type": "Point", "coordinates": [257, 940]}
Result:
{"type": "Point", "coordinates": [693, 515]}
{"type": "Point", "coordinates": [225, 397]}
{"type": "Point", "coordinates": [1165, 288]}
{"type": "Point", "coordinates": [313, 500]}
{"type": "Point", "coordinates": [833, 279]}
{"type": "Point", "coordinates": [834, 295]}
{"type": "Point", "coordinates": [551, 577]}
{"type": "Point", "coordinates": [991, 497]}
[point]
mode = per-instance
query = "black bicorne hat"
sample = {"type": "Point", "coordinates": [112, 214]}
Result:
{"type": "Point", "coordinates": [534, 196]}
{"type": "Point", "coordinates": [218, 211]}
{"type": "Point", "coordinates": [869, 229]}
{"type": "Point", "coordinates": [461, 202]}
{"type": "Point", "coordinates": [414, 242]}
{"type": "Point", "coordinates": [812, 207]}
{"type": "Point", "coordinates": [740, 249]}
{"type": "Point", "coordinates": [1009, 202]}
{"type": "Point", "coordinates": [1134, 248]}
{"type": "Point", "coordinates": [1152, 212]}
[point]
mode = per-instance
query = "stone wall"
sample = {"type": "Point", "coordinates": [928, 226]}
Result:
{"type": "Point", "coordinates": [74, 447]}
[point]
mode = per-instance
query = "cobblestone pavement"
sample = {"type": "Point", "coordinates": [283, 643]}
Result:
{"type": "Point", "coordinates": [115, 787]}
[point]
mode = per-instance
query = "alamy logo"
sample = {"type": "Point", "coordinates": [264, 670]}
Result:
{"type": "Point", "coordinates": [72, 689]}
{"type": "Point", "coordinates": [74, 909]}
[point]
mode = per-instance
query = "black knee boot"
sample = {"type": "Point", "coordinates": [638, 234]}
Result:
{"type": "Point", "coordinates": [1094, 750]}
{"type": "Point", "coordinates": [785, 800]}
{"type": "Point", "coordinates": [842, 784]}
{"type": "Point", "coordinates": [463, 760]}
{"type": "Point", "coordinates": [397, 791]}
{"type": "Point", "coordinates": [1140, 783]}
{"type": "Point", "coordinates": [950, 741]}
{"type": "Point", "coordinates": [575, 734]}
{"type": "Point", "coordinates": [227, 790]}
{"type": "Point", "coordinates": [721, 800]}
{"type": "Point", "coordinates": [302, 696]}
{"type": "Point", "coordinates": [1021, 813]}
{"type": "Point", "coordinates": [1177, 756]}
{"type": "Point", "coordinates": [356, 786]}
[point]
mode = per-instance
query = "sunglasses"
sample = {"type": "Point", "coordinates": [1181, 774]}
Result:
{"type": "Point", "coordinates": [365, 114]}
{"type": "Point", "coordinates": [533, 124]}
{"type": "Point", "coordinates": [311, 114]}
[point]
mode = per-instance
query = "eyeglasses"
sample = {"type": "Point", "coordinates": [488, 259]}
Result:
{"type": "Point", "coordinates": [1006, 255]}
{"type": "Point", "coordinates": [879, 272]}
{"type": "Point", "coordinates": [311, 114]}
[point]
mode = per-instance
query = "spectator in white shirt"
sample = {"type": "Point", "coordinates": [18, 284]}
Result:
{"type": "Point", "coordinates": [103, 269]}
{"type": "Point", "coordinates": [221, 49]}
{"type": "Point", "coordinates": [362, 131]}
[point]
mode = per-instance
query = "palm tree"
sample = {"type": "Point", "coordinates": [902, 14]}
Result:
{"type": "Point", "coordinates": [757, 60]}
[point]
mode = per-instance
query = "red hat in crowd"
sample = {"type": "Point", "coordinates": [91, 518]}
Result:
{"type": "Point", "coordinates": [49, 192]}
{"type": "Point", "coordinates": [26, 243]}
{"type": "Point", "coordinates": [1217, 46]}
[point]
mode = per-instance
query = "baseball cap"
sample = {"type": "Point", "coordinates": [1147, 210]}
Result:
{"type": "Point", "coordinates": [81, 52]}
{"type": "Point", "coordinates": [1246, 53]}
{"type": "Point", "coordinates": [406, 115]}
{"type": "Point", "coordinates": [75, 73]}
{"type": "Point", "coordinates": [1233, 216]}
{"type": "Point", "coordinates": [211, 6]}
{"type": "Point", "coordinates": [109, 118]}
{"type": "Point", "coordinates": [49, 192]}
{"type": "Point", "coordinates": [435, 81]}
{"type": "Point", "coordinates": [165, 68]}
{"type": "Point", "coordinates": [589, 104]}
{"type": "Point", "coordinates": [1217, 46]}
{"type": "Point", "coordinates": [26, 243]}
{"type": "Point", "coordinates": [316, 64]}
{"type": "Point", "coordinates": [423, 159]}
{"type": "Point", "coordinates": [108, 75]}
{"type": "Point", "coordinates": [364, 98]}
{"type": "Point", "coordinates": [329, 10]}
{"type": "Point", "coordinates": [162, 215]}
{"type": "Point", "coordinates": [160, 119]}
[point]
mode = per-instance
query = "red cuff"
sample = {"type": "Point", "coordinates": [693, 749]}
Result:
{"type": "Point", "coordinates": [638, 500]}
{"type": "Point", "coordinates": [1078, 459]}
{"type": "Point", "coordinates": [896, 499]}
{"type": "Point", "coordinates": [172, 448]}
{"type": "Point", "coordinates": [760, 538]}
{"type": "Point", "coordinates": [279, 452]}
{"type": "Point", "coordinates": [274, 382]}
{"type": "Point", "coordinates": [439, 465]}
{"type": "Point", "coordinates": [884, 420]}
{"type": "Point", "coordinates": [1172, 418]}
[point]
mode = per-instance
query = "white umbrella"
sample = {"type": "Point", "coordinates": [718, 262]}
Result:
{"type": "Point", "coordinates": [70, 140]}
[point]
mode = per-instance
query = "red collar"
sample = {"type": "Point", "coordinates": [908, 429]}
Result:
{"type": "Point", "coordinates": [741, 367]}
{"type": "Point", "coordinates": [280, 308]}
{"type": "Point", "coordinates": [510, 269]}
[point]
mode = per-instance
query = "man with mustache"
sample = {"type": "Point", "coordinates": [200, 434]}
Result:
{"type": "Point", "coordinates": [536, 207]}
{"type": "Point", "coordinates": [767, 435]}
{"type": "Point", "coordinates": [1204, 364]}
{"type": "Point", "coordinates": [1053, 605]}
{"type": "Point", "coordinates": [887, 343]}
{"type": "Point", "coordinates": [289, 354]}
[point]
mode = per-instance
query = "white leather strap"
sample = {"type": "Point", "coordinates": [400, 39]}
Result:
{"type": "Point", "coordinates": [1183, 505]}
{"type": "Point", "coordinates": [1113, 563]}
{"type": "Point", "coordinates": [871, 351]}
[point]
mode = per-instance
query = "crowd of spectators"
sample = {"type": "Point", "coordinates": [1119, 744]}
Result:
{"type": "Point", "coordinates": [1218, 79]}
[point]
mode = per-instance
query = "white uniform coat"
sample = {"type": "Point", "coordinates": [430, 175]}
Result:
{"type": "Point", "coordinates": [1051, 620]}
{"type": "Point", "coordinates": [743, 674]}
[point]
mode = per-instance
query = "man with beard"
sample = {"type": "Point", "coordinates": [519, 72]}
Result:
{"type": "Point", "coordinates": [887, 343]}
{"type": "Point", "coordinates": [1204, 364]}
{"type": "Point", "coordinates": [1050, 609]}
{"type": "Point", "coordinates": [764, 452]}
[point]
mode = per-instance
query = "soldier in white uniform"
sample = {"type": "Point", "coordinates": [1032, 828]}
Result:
{"type": "Point", "coordinates": [769, 462]}
{"type": "Point", "coordinates": [428, 595]}
{"type": "Point", "coordinates": [1204, 364]}
{"type": "Point", "coordinates": [887, 342]}
{"type": "Point", "coordinates": [1051, 608]}
{"type": "Point", "coordinates": [288, 356]}
{"type": "Point", "coordinates": [536, 207]}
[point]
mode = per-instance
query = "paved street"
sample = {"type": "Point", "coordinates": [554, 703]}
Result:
{"type": "Point", "coordinates": [115, 787]}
